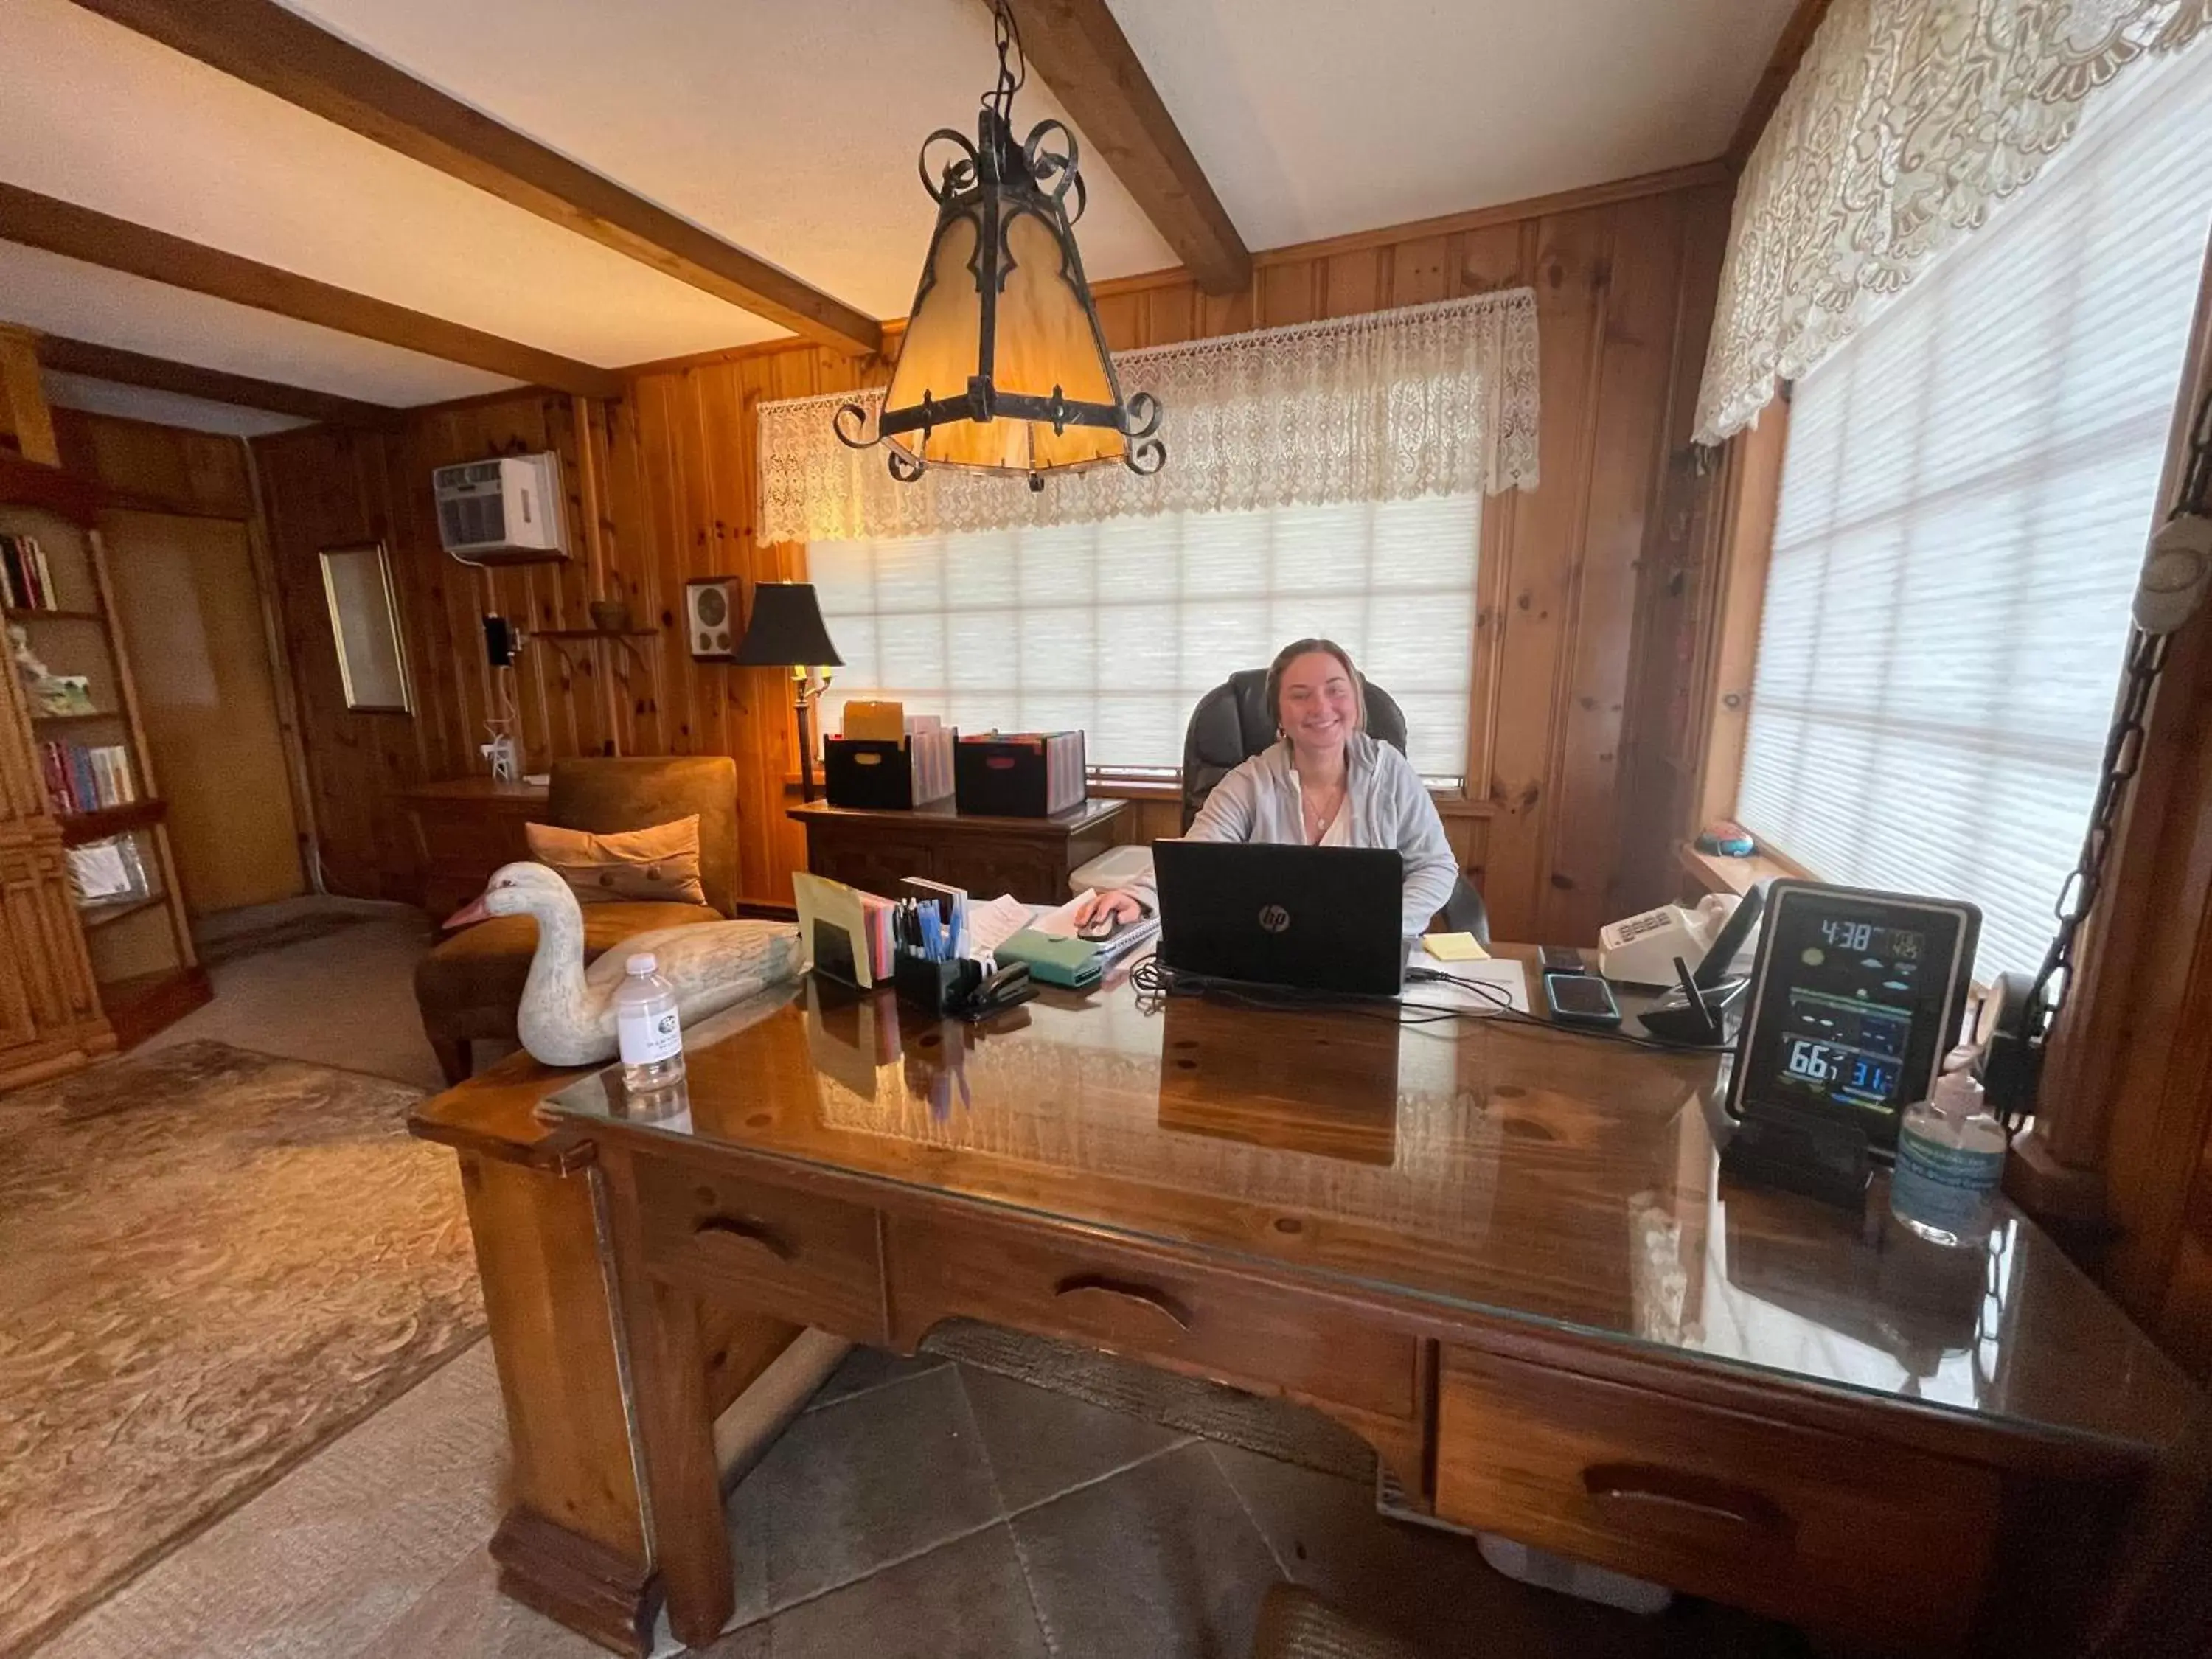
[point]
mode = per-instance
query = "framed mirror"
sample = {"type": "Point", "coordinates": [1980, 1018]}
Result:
{"type": "Point", "coordinates": [365, 624]}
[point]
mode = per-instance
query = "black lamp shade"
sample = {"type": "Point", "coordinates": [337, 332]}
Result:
{"type": "Point", "coordinates": [785, 630]}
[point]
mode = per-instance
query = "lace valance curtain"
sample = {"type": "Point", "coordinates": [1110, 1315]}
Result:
{"type": "Point", "coordinates": [1393, 405]}
{"type": "Point", "coordinates": [1906, 122]}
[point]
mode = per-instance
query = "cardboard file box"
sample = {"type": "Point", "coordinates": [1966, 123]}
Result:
{"type": "Point", "coordinates": [1027, 775]}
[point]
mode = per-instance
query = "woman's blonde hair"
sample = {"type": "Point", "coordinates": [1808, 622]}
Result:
{"type": "Point", "coordinates": [1297, 648]}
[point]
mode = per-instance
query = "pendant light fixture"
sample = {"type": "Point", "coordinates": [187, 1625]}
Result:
{"type": "Point", "coordinates": [1004, 368]}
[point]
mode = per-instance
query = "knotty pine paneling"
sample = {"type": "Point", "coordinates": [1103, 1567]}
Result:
{"type": "Point", "coordinates": [661, 486]}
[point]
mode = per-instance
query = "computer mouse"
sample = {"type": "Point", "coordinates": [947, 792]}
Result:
{"type": "Point", "coordinates": [1099, 927]}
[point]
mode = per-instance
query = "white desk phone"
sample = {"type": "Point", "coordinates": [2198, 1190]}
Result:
{"type": "Point", "coordinates": [1640, 950]}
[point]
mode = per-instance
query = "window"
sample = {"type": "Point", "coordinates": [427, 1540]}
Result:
{"type": "Point", "coordinates": [1120, 627]}
{"type": "Point", "coordinates": [1967, 490]}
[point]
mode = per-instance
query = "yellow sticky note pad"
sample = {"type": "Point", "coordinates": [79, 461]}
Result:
{"type": "Point", "coordinates": [1454, 947]}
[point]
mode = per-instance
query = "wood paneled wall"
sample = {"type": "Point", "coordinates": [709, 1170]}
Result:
{"type": "Point", "coordinates": [662, 485]}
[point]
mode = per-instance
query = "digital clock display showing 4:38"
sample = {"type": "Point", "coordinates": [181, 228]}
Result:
{"type": "Point", "coordinates": [1869, 939]}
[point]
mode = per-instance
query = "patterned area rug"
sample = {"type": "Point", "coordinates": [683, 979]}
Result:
{"type": "Point", "coordinates": [214, 1262]}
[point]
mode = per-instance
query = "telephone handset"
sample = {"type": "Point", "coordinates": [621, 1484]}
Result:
{"type": "Point", "coordinates": [1641, 949]}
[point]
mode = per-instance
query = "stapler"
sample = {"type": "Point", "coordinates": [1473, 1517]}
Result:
{"type": "Point", "coordinates": [1008, 988]}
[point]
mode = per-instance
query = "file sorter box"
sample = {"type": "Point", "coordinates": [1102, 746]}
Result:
{"type": "Point", "coordinates": [1019, 775]}
{"type": "Point", "coordinates": [882, 776]}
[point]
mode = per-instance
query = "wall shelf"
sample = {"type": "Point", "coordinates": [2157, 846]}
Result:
{"type": "Point", "coordinates": [101, 912]}
{"type": "Point", "coordinates": [562, 638]}
{"type": "Point", "coordinates": [78, 828]}
{"type": "Point", "coordinates": [65, 720]}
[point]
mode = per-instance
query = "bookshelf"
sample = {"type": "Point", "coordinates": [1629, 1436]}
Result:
{"type": "Point", "coordinates": [78, 802]}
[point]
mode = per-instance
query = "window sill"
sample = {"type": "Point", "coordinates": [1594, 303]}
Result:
{"type": "Point", "coordinates": [1728, 875]}
{"type": "Point", "coordinates": [1134, 789]}
{"type": "Point", "coordinates": [1450, 803]}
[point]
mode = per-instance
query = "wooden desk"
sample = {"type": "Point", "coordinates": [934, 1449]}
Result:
{"type": "Point", "coordinates": [1502, 1254]}
{"type": "Point", "coordinates": [465, 828]}
{"type": "Point", "coordinates": [572, 1542]}
{"type": "Point", "coordinates": [1030, 858]}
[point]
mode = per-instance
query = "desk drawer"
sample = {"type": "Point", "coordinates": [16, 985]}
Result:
{"type": "Point", "coordinates": [1180, 1318]}
{"type": "Point", "coordinates": [770, 1248]}
{"type": "Point", "coordinates": [1845, 1533]}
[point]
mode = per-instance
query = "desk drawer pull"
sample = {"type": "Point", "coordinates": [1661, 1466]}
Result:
{"type": "Point", "coordinates": [1661, 1488]}
{"type": "Point", "coordinates": [1143, 1295]}
{"type": "Point", "coordinates": [750, 1233]}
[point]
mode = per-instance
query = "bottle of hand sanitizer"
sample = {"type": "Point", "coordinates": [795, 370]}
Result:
{"type": "Point", "coordinates": [646, 1022]}
{"type": "Point", "coordinates": [1950, 1159]}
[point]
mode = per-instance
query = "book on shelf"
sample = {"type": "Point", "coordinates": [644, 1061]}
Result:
{"type": "Point", "coordinates": [27, 579]}
{"type": "Point", "coordinates": [103, 871]}
{"type": "Point", "coordinates": [84, 779]}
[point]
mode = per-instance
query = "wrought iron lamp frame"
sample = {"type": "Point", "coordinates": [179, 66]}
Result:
{"type": "Point", "coordinates": [989, 184]}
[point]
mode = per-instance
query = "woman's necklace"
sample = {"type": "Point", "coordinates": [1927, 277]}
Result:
{"type": "Point", "coordinates": [1320, 810]}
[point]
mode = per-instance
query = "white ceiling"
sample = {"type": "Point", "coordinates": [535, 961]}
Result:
{"type": "Point", "coordinates": [139, 403]}
{"type": "Point", "coordinates": [1317, 117]}
{"type": "Point", "coordinates": [790, 128]}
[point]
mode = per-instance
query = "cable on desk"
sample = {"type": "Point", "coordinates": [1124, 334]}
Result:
{"type": "Point", "coordinates": [1155, 981]}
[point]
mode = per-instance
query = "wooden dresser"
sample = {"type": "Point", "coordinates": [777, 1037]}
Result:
{"type": "Point", "coordinates": [1030, 858]}
{"type": "Point", "coordinates": [465, 828]}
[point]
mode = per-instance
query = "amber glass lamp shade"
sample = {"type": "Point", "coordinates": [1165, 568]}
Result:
{"type": "Point", "coordinates": [1004, 367]}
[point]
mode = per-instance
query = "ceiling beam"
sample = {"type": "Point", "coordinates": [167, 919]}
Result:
{"type": "Point", "coordinates": [1774, 81]}
{"type": "Point", "coordinates": [263, 43]}
{"type": "Point", "coordinates": [80, 232]}
{"type": "Point", "coordinates": [103, 362]}
{"type": "Point", "coordinates": [1083, 56]}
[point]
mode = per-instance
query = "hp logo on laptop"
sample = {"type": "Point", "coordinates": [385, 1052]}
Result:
{"type": "Point", "coordinates": [1275, 919]}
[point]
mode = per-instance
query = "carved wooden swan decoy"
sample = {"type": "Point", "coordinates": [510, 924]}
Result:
{"type": "Point", "coordinates": [567, 1011]}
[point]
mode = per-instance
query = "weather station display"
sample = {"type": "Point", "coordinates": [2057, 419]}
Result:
{"type": "Point", "coordinates": [1854, 996]}
{"type": "Point", "coordinates": [1853, 988]}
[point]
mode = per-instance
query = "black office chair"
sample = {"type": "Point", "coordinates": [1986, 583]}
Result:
{"type": "Point", "coordinates": [1232, 723]}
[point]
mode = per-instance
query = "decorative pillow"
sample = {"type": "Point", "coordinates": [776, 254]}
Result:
{"type": "Point", "coordinates": [661, 863]}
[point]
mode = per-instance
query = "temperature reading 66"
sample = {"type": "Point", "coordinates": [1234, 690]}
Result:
{"type": "Point", "coordinates": [1815, 1061]}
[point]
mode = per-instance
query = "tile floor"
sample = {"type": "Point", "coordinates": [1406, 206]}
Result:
{"type": "Point", "coordinates": [915, 1508]}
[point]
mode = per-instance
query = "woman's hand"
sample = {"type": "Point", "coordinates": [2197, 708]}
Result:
{"type": "Point", "coordinates": [1121, 907]}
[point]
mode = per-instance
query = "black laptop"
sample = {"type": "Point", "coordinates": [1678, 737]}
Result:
{"type": "Point", "coordinates": [1314, 918]}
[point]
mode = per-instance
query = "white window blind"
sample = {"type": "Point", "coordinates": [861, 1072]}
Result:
{"type": "Point", "coordinates": [1118, 627]}
{"type": "Point", "coordinates": [1967, 490]}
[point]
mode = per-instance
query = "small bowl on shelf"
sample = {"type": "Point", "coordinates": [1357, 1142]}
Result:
{"type": "Point", "coordinates": [610, 616]}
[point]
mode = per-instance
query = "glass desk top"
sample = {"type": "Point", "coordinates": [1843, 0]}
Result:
{"type": "Point", "coordinates": [1489, 1168]}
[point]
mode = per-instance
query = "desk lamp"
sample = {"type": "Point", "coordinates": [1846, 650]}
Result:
{"type": "Point", "coordinates": [786, 631]}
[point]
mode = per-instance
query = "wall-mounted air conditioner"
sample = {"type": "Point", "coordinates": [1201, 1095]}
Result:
{"type": "Point", "coordinates": [501, 512]}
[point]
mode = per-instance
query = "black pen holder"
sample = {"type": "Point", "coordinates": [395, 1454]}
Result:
{"type": "Point", "coordinates": [938, 989]}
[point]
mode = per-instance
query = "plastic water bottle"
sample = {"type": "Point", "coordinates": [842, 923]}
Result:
{"type": "Point", "coordinates": [651, 1035]}
{"type": "Point", "coordinates": [1950, 1160]}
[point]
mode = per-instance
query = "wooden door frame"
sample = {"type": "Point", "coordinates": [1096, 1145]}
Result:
{"type": "Point", "coordinates": [284, 685]}
{"type": "Point", "coordinates": [2127, 1085]}
{"type": "Point", "coordinates": [254, 530]}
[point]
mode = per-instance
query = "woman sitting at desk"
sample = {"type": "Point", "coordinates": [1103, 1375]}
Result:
{"type": "Point", "coordinates": [1327, 783]}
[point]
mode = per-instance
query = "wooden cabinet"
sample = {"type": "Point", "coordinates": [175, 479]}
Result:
{"type": "Point", "coordinates": [465, 828]}
{"type": "Point", "coordinates": [1030, 858]}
